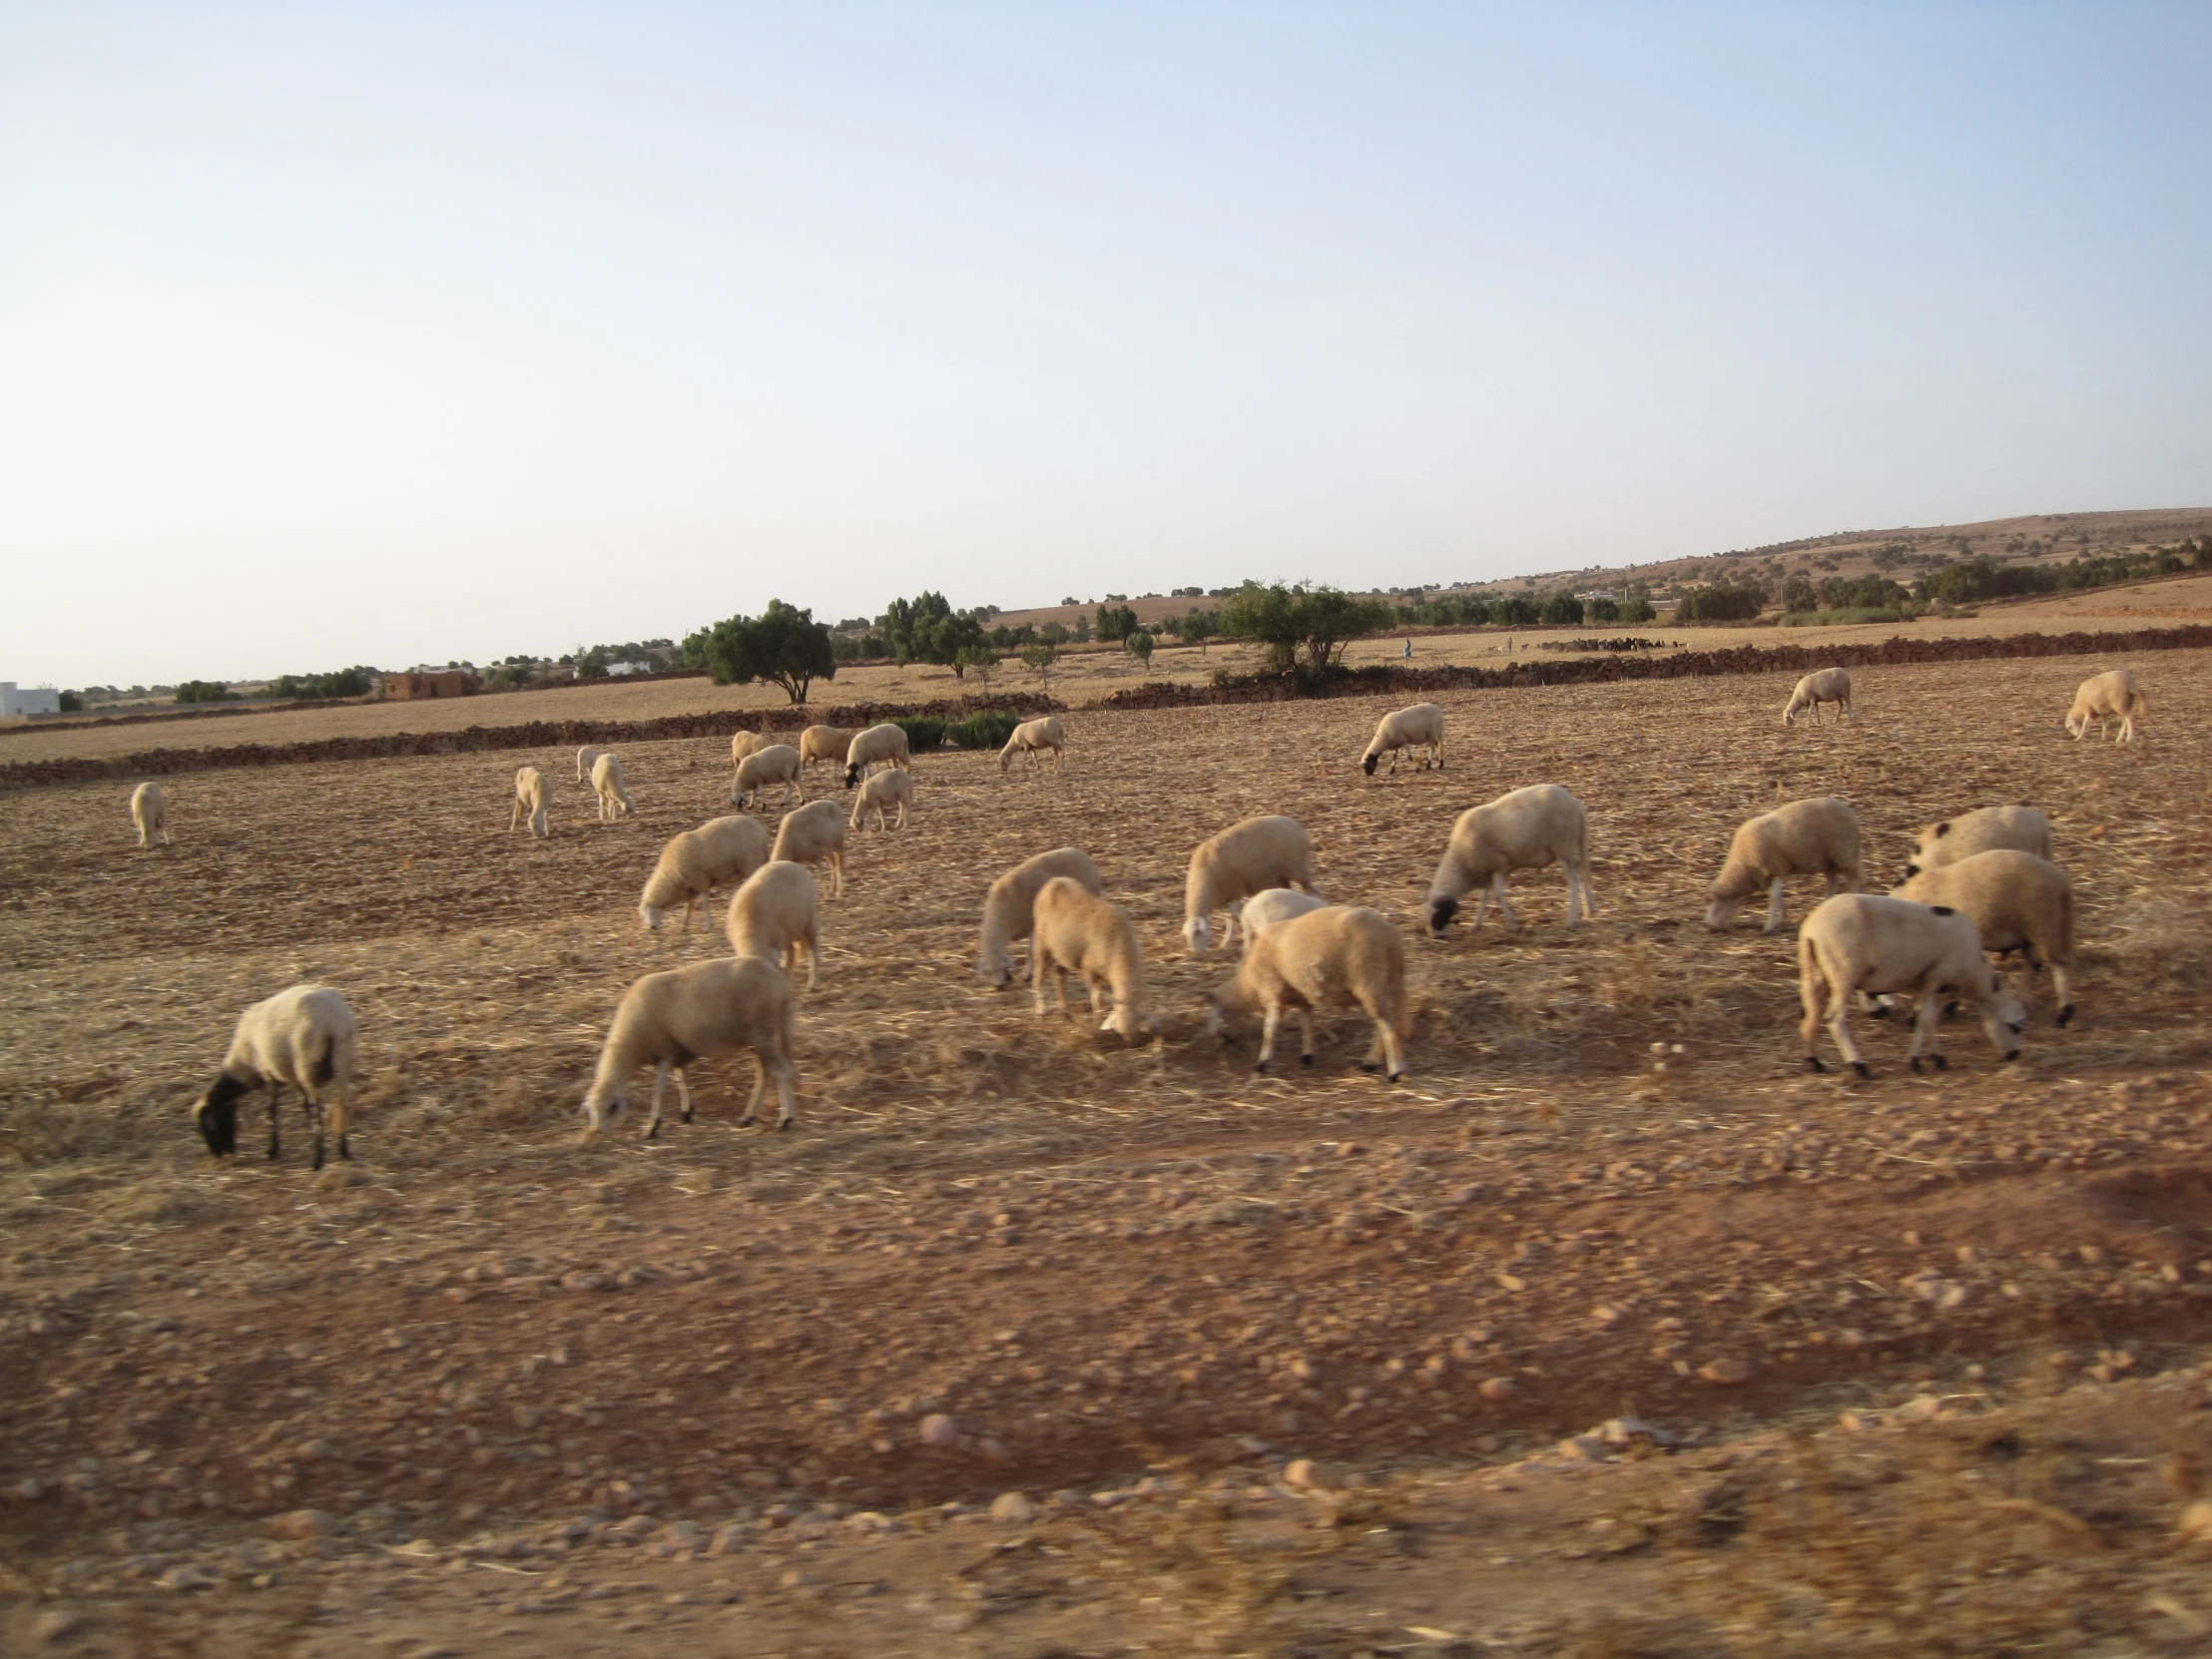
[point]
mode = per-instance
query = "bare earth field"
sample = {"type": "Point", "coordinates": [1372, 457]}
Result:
{"type": "Point", "coordinates": [1907, 1366]}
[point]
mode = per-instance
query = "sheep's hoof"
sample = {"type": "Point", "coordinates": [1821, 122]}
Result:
{"type": "Point", "coordinates": [1306, 1059]}
{"type": "Point", "coordinates": [1398, 1077]}
{"type": "Point", "coordinates": [1813, 1063]}
{"type": "Point", "coordinates": [2066, 1013]}
{"type": "Point", "coordinates": [1261, 1068]}
{"type": "Point", "coordinates": [1938, 1062]}
{"type": "Point", "coordinates": [2014, 1055]}
{"type": "Point", "coordinates": [1915, 1062]}
{"type": "Point", "coordinates": [1881, 1011]}
{"type": "Point", "coordinates": [1373, 1066]}
{"type": "Point", "coordinates": [654, 1133]}
{"type": "Point", "coordinates": [1863, 1069]}
{"type": "Point", "coordinates": [318, 1158]}
{"type": "Point", "coordinates": [783, 1124]}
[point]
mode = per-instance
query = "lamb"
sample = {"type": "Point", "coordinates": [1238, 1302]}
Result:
{"type": "Point", "coordinates": [1819, 837]}
{"type": "Point", "coordinates": [694, 863]}
{"type": "Point", "coordinates": [1244, 858]}
{"type": "Point", "coordinates": [779, 764]}
{"type": "Point", "coordinates": [775, 913]}
{"type": "Point", "coordinates": [1077, 930]}
{"type": "Point", "coordinates": [150, 814]}
{"type": "Point", "coordinates": [2016, 902]}
{"type": "Point", "coordinates": [530, 802]}
{"type": "Point", "coordinates": [1525, 828]}
{"type": "Point", "coordinates": [304, 1037]}
{"type": "Point", "coordinates": [1861, 942]}
{"type": "Point", "coordinates": [1009, 908]}
{"type": "Point", "coordinates": [883, 745]}
{"type": "Point", "coordinates": [586, 758]}
{"type": "Point", "coordinates": [1421, 726]}
{"type": "Point", "coordinates": [607, 784]}
{"type": "Point", "coordinates": [1985, 829]}
{"type": "Point", "coordinates": [811, 834]}
{"type": "Point", "coordinates": [2112, 695]}
{"type": "Point", "coordinates": [1031, 737]}
{"type": "Point", "coordinates": [825, 742]}
{"type": "Point", "coordinates": [1336, 956]}
{"type": "Point", "coordinates": [1830, 684]}
{"type": "Point", "coordinates": [1272, 908]}
{"type": "Point", "coordinates": [701, 1013]}
{"type": "Point", "coordinates": [887, 789]}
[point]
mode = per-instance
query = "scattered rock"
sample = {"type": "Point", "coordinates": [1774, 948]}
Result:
{"type": "Point", "coordinates": [1306, 1475]}
{"type": "Point", "coordinates": [1725, 1372]}
{"type": "Point", "coordinates": [53, 1625]}
{"type": "Point", "coordinates": [584, 1281]}
{"type": "Point", "coordinates": [185, 1576]}
{"type": "Point", "coordinates": [1014, 1508]}
{"type": "Point", "coordinates": [302, 1524]}
{"type": "Point", "coordinates": [1582, 1449]}
{"type": "Point", "coordinates": [1499, 1390]}
{"type": "Point", "coordinates": [2196, 1522]}
{"type": "Point", "coordinates": [939, 1430]}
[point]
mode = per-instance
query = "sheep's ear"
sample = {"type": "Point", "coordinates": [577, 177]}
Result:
{"type": "Point", "coordinates": [1942, 829]}
{"type": "Point", "coordinates": [1942, 910]}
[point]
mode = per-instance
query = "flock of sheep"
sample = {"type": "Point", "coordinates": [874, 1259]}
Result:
{"type": "Point", "coordinates": [1980, 883]}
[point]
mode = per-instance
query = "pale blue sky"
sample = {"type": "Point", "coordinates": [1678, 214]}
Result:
{"type": "Point", "coordinates": [385, 332]}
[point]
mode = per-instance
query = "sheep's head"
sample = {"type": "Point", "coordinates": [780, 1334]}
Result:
{"type": "Point", "coordinates": [996, 968]}
{"type": "Point", "coordinates": [1440, 912]}
{"type": "Point", "coordinates": [2003, 1018]}
{"type": "Point", "coordinates": [218, 1115]}
{"type": "Point", "coordinates": [851, 776]}
{"type": "Point", "coordinates": [1369, 765]}
{"type": "Point", "coordinates": [651, 914]}
{"type": "Point", "coordinates": [1198, 934]}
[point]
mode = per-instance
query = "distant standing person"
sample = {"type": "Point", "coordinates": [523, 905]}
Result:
{"type": "Point", "coordinates": [1408, 649]}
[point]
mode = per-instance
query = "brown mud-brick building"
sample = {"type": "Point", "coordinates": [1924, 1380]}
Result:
{"type": "Point", "coordinates": [414, 687]}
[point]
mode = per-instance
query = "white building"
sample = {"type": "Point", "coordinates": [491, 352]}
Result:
{"type": "Point", "coordinates": [15, 702]}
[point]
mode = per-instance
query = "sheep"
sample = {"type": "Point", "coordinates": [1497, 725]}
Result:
{"type": "Point", "coordinates": [1985, 829]}
{"type": "Point", "coordinates": [607, 784]}
{"type": "Point", "coordinates": [883, 745]}
{"type": "Point", "coordinates": [775, 913]}
{"type": "Point", "coordinates": [811, 834]}
{"type": "Point", "coordinates": [1865, 943]}
{"type": "Point", "coordinates": [1010, 906]}
{"type": "Point", "coordinates": [305, 1036]}
{"type": "Point", "coordinates": [887, 789]}
{"type": "Point", "coordinates": [1420, 727]}
{"type": "Point", "coordinates": [530, 802]}
{"type": "Point", "coordinates": [1336, 956]}
{"type": "Point", "coordinates": [1035, 736]}
{"type": "Point", "coordinates": [1272, 908]}
{"type": "Point", "coordinates": [825, 742]}
{"type": "Point", "coordinates": [2016, 902]}
{"type": "Point", "coordinates": [1830, 684]}
{"type": "Point", "coordinates": [2112, 695]}
{"type": "Point", "coordinates": [694, 863]}
{"type": "Point", "coordinates": [1244, 858]}
{"type": "Point", "coordinates": [1819, 837]}
{"type": "Point", "coordinates": [778, 763]}
{"type": "Point", "coordinates": [701, 1013]}
{"type": "Point", "coordinates": [742, 744]}
{"type": "Point", "coordinates": [1524, 829]}
{"type": "Point", "coordinates": [1074, 930]}
{"type": "Point", "coordinates": [150, 814]}
{"type": "Point", "coordinates": [586, 758]}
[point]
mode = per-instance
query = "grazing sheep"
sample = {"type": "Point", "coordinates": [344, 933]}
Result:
{"type": "Point", "coordinates": [1075, 930]}
{"type": "Point", "coordinates": [1033, 737]}
{"type": "Point", "coordinates": [1985, 829]}
{"type": "Point", "coordinates": [1523, 829]}
{"type": "Point", "coordinates": [1420, 727]}
{"type": "Point", "coordinates": [2016, 902]}
{"type": "Point", "coordinates": [1830, 684]}
{"type": "Point", "coordinates": [1338, 957]}
{"type": "Point", "coordinates": [305, 1036]}
{"type": "Point", "coordinates": [1011, 907]}
{"type": "Point", "coordinates": [811, 834]}
{"type": "Point", "coordinates": [1860, 943]}
{"type": "Point", "coordinates": [1272, 908]}
{"type": "Point", "coordinates": [1819, 837]}
{"type": "Point", "coordinates": [825, 742]}
{"type": "Point", "coordinates": [2103, 698]}
{"type": "Point", "coordinates": [694, 863]}
{"type": "Point", "coordinates": [150, 812]}
{"type": "Point", "coordinates": [778, 763]}
{"type": "Point", "coordinates": [742, 744]}
{"type": "Point", "coordinates": [607, 784]}
{"type": "Point", "coordinates": [885, 790]}
{"type": "Point", "coordinates": [775, 913]}
{"type": "Point", "coordinates": [701, 1013]}
{"type": "Point", "coordinates": [530, 802]}
{"type": "Point", "coordinates": [586, 758]}
{"type": "Point", "coordinates": [1244, 858]}
{"type": "Point", "coordinates": [883, 745]}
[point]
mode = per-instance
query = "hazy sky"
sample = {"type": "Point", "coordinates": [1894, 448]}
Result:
{"type": "Point", "coordinates": [387, 332]}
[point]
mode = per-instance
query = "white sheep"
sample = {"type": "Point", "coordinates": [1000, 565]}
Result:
{"type": "Point", "coordinates": [883, 745]}
{"type": "Point", "coordinates": [1009, 908]}
{"type": "Point", "coordinates": [779, 763]}
{"type": "Point", "coordinates": [1336, 956]}
{"type": "Point", "coordinates": [150, 814]}
{"type": "Point", "coordinates": [702, 1012]}
{"type": "Point", "coordinates": [1272, 908]}
{"type": "Point", "coordinates": [813, 833]}
{"type": "Point", "coordinates": [607, 784]}
{"type": "Point", "coordinates": [1985, 829]}
{"type": "Point", "coordinates": [586, 758]}
{"type": "Point", "coordinates": [694, 863]}
{"type": "Point", "coordinates": [887, 789]}
{"type": "Point", "coordinates": [304, 1037]}
{"type": "Point", "coordinates": [2016, 902]}
{"type": "Point", "coordinates": [1819, 837]}
{"type": "Point", "coordinates": [530, 802]}
{"type": "Point", "coordinates": [774, 914]}
{"type": "Point", "coordinates": [1860, 943]}
{"type": "Point", "coordinates": [825, 742]}
{"type": "Point", "coordinates": [1525, 828]}
{"type": "Point", "coordinates": [2103, 698]}
{"type": "Point", "coordinates": [1828, 685]}
{"type": "Point", "coordinates": [1244, 858]}
{"type": "Point", "coordinates": [1420, 727]}
{"type": "Point", "coordinates": [1032, 738]}
{"type": "Point", "coordinates": [1075, 930]}
{"type": "Point", "coordinates": [742, 744]}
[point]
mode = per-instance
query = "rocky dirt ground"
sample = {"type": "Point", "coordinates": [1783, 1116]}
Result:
{"type": "Point", "coordinates": [1028, 1343]}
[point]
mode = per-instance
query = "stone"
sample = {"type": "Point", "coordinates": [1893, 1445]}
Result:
{"type": "Point", "coordinates": [1014, 1508]}
{"type": "Point", "coordinates": [939, 1430]}
{"type": "Point", "coordinates": [1725, 1372]}
{"type": "Point", "coordinates": [2196, 1522]}
{"type": "Point", "coordinates": [53, 1625]}
{"type": "Point", "coordinates": [1499, 1390]}
{"type": "Point", "coordinates": [302, 1524]}
{"type": "Point", "coordinates": [1582, 1449]}
{"type": "Point", "coordinates": [1304, 1474]}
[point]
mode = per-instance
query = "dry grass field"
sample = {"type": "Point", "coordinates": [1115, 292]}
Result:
{"type": "Point", "coordinates": [1918, 1358]}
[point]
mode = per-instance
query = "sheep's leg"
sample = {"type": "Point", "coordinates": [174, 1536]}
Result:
{"type": "Point", "coordinates": [1482, 908]}
{"type": "Point", "coordinates": [1305, 1037]}
{"type": "Point", "coordinates": [313, 1110]}
{"type": "Point", "coordinates": [2062, 984]}
{"type": "Point", "coordinates": [784, 1114]}
{"type": "Point", "coordinates": [814, 963]}
{"type": "Point", "coordinates": [1589, 904]}
{"type": "Point", "coordinates": [1036, 977]}
{"type": "Point", "coordinates": [1574, 894]}
{"type": "Point", "coordinates": [273, 1091]}
{"type": "Point", "coordinates": [1774, 905]}
{"type": "Point", "coordinates": [837, 869]}
{"type": "Point", "coordinates": [683, 1093]}
{"type": "Point", "coordinates": [660, 1082]}
{"type": "Point", "coordinates": [1839, 1027]}
{"type": "Point", "coordinates": [1437, 749]}
{"type": "Point", "coordinates": [1267, 1037]}
{"type": "Point", "coordinates": [1923, 1029]}
{"type": "Point", "coordinates": [1504, 906]}
{"type": "Point", "coordinates": [1236, 914]}
{"type": "Point", "coordinates": [1812, 991]}
{"type": "Point", "coordinates": [760, 1087]}
{"type": "Point", "coordinates": [339, 1106]}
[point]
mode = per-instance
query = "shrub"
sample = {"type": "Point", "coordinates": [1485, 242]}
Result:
{"type": "Point", "coordinates": [922, 730]}
{"type": "Point", "coordinates": [1722, 602]}
{"type": "Point", "coordinates": [205, 690]}
{"type": "Point", "coordinates": [1140, 646]}
{"type": "Point", "coordinates": [1636, 608]}
{"type": "Point", "coordinates": [988, 729]}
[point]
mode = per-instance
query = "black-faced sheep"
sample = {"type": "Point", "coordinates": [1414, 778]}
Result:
{"type": "Point", "coordinates": [303, 1038]}
{"type": "Point", "coordinates": [1985, 829]}
{"type": "Point", "coordinates": [883, 745]}
{"type": "Point", "coordinates": [1420, 727]}
{"type": "Point", "coordinates": [1819, 837]}
{"type": "Point", "coordinates": [2016, 902]}
{"type": "Point", "coordinates": [777, 763]}
{"type": "Point", "coordinates": [1525, 828]}
{"type": "Point", "coordinates": [1032, 738]}
{"type": "Point", "coordinates": [1859, 943]}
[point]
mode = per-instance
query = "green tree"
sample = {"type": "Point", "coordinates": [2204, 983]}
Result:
{"type": "Point", "coordinates": [983, 659]}
{"type": "Point", "coordinates": [783, 646]}
{"type": "Point", "coordinates": [205, 690]}
{"type": "Point", "coordinates": [1140, 646]}
{"type": "Point", "coordinates": [927, 629]}
{"type": "Point", "coordinates": [1197, 627]}
{"type": "Point", "coordinates": [1602, 610]}
{"type": "Point", "coordinates": [1116, 622]}
{"type": "Point", "coordinates": [1637, 608]}
{"type": "Point", "coordinates": [1562, 609]}
{"type": "Point", "coordinates": [1515, 610]}
{"type": "Point", "coordinates": [1287, 622]}
{"type": "Point", "coordinates": [1040, 658]}
{"type": "Point", "coordinates": [1799, 594]}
